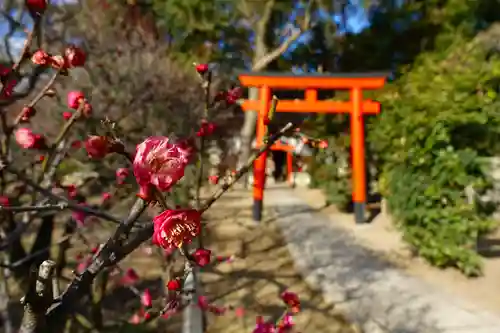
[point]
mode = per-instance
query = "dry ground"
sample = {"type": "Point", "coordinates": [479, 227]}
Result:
{"type": "Point", "coordinates": [262, 269]}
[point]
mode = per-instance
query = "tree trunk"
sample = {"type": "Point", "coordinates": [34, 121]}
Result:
{"type": "Point", "coordinates": [248, 130]}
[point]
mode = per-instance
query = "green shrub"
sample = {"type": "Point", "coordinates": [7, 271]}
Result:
{"type": "Point", "coordinates": [439, 119]}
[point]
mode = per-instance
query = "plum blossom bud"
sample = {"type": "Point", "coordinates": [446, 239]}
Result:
{"type": "Point", "coordinates": [76, 144]}
{"type": "Point", "coordinates": [146, 298]}
{"type": "Point", "coordinates": [233, 95]}
{"type": "Point", "coordinates": [201, 68]}
{"type": "Point", "coordinates": [202, 257]}
{"type": "Point", "coordinates": [74, 99]}
{"type": "Point", "coordinates": [106, 196]}
{"type": "Point", "coordinates": [27, 112]}
{"type": "Point", "coordinates": [58, 62]}
{"type": "Point", "coordinates": [130, 277]}
{"type": "Point", "coordinates": [36, 7]}
{"type": "Point", "coordinates": [173, 285]}
{"type": "Point", "coordinates": [206, 129]}
{"type": "Point", "coordinates": [97, 146]}
{"type": "Point", "coordinates": [262, 327]}
{"type": "Point", "coordinates": [87, 109]}
{"type": "Point", "coordinates": [121, 175]}
{"type": "Point", "coordinates": [79, 217]}
{"type": "Point", "coordinates": [72, 191]}
{"type": "Point", "coordinates": [8, 88]}
{"type": "Point", "coordinates": [225, 258]}
{"type": "Point", "coordinates": [239, 312]}
{"type": "Point", "coordinates": [205, 305]}
{"type": "Point", "coordinates": [291, 300]}
{"type": "Point", "coordinates": [75, 57]}
{"type": "Point", "coordinates": [286, 324]}
{"type": "Point", "coordinates": [323, 144]}
{"type": "Point", "coordinates": [214, 179]}
{"type": "Point", "coordinates": [4, 201]}
{"type": "Point", "coordinates": [41, 58]}
{"type": "Point", "coordinates": [135, 319]}
{"type": "Point", "coordinates": [67, 115]}
{"type": "Point", "coordinates": [28, 140]}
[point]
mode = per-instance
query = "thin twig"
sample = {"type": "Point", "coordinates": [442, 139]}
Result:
{"type": "Point", "coordinates": [71, 205]}
{"type": "Point", "coordinates": [105, 257]}
{"type": "Point", "coordinates": [21, 209]}
{"type": "Point", "coordinates": [228, 183]}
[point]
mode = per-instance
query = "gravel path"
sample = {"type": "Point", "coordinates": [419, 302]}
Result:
{"type": "Point", "coordinates": [377, 295]}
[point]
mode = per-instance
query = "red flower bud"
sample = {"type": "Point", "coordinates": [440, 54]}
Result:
{"type": "Point", "coordinates": [214, 179]}
{"type": "Point", "coordinates": [239, 312]}
{"type": "Point", "coordinates": [74, 99]}
{"type": "Point", "coordinates": [234, 95]}
{"type": "Point", "coordinates": [75, 57]}
{"type": "Point", "coordinates": [135, 319]}
{"type": "Point", "coordinates": [40, 57]}
{"type": "Point", "coordinates": [106, 196]}
{"type": "Point", "coordinates": [28, 140]}
{"type": "Point", "coordinates": [76, 144]}
{"type": "Point", "coordinates": [291, 300]}
{"type": "Point", "coordinates": [146, 298]}
{"type": "Point", "coordinates": [67, 115]}
{"type": "Point", "coordinates": [27, 113]}
{"type": "Point", "coordinates": [87, 109]}
{"type": "Point", "coordinates": [4, 201]}
{"type": "Point", "coordinates": [72, 191]}
{"type": "Point", "coordinates": [8, 88]}
{"type": "Point", "coordinates": [130, 277]}
{"type": "Point", "coordinates": [201, 68]}
{"type": "Point", "coordinates": [173, 285]}
{"type": "Point", "coordinates": [58, 62]}
{"type": "Point", "coordinates": [206, 129]}
{"type": "Point", "coordinates": [97, 146]}
{"type": "Point", "coordinates": [121, 175]}
{"type": "Point", "coordinates": [36, 7]}
{"type": "Point", "coordinates": [202, 257]}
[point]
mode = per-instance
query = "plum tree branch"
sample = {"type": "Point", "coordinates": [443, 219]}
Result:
{"type": "Point", "coordinates": [265, 60]}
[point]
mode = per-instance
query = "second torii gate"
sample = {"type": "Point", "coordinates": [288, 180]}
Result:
{"type": "Point", "coordinates": [356, 107]}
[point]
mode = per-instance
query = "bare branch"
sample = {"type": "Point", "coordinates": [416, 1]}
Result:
{"type": "Point", "coordinates": [262, 63]}
{"type": "Point", "coordinates": [38, 299]}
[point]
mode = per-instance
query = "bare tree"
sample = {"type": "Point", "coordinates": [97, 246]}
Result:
{"type": "Point", "coordinates": [264, 53]}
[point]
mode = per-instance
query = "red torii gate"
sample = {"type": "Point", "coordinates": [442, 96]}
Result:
{"type": "Point", "coordinates": [356, 107]}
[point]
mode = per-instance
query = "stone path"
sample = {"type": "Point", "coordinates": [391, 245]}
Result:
{"type": "Point", "coordinates": [378, 296]}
